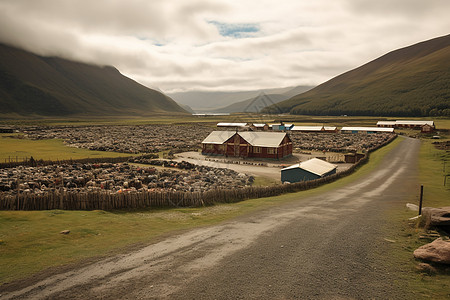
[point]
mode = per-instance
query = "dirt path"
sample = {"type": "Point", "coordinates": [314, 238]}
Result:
{"type": "Point", "coordinates": [321, 247]}
{"type": "Point", "coordinates": [271, 169]}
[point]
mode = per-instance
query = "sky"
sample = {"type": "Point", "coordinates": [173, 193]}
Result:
{"type": "Point", "coordinates": [222, 45]}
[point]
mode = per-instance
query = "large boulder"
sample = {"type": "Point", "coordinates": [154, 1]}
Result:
{"type": "Point", "coordinates": [437, 251]}
{"type": "Point", "coordinates": [436, 217]}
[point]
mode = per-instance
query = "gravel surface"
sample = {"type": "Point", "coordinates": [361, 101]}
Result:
{"type": "Point", "coordinates": [265, 168]}
{"type": "Point", "coordinates": [327, 246]}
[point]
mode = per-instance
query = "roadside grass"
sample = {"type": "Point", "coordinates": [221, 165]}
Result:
{"type": "Point", "coordinates": [12, 147]}
{"type": "Point", "coordinates": [407, 236]}
{"type": "Point", "coordinates": [264, 181]}
{"type": "Point", "coordinates": [30, 241]}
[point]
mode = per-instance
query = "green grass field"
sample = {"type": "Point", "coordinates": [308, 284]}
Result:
{"type": "Point", "coordinates": [30, 241]}
{"type": "Point", "coordinates": [13, 148]}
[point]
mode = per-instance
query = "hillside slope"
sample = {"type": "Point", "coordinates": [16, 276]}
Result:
{"type": "Point", "coordinates": [412, 81]}
{"type": "Point", "coordinates": [51, 86]}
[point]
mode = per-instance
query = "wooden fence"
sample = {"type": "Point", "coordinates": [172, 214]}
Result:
{"type": "Point", "coordinates": [30, 162]}
{"type": "Point", "coordinates": [106, 200]}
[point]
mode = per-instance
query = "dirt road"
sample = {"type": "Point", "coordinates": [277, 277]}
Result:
{"type": "Point", "coordinates": [271, 169]}
{"type": "Point", "coordinates": [321, 247]}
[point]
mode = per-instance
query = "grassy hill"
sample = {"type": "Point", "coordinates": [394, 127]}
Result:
{"type": "Point", "coordinates": [32, 85]}
{"type": "Point", "coordinates": [412, 81]}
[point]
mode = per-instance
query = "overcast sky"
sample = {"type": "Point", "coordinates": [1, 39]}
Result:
{"type": "Point", "coordinates": [180, 45]}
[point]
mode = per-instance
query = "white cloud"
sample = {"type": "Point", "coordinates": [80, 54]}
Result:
{"type": "Point", "coordinates": [219, 44]}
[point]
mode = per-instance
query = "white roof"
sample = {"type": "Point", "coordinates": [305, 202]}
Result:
{"type": "Point", "coordinates": [259, 139]}
{"type": "Point", "coordinates": [307, 128]}
{"type": "Point", "coordinates": [218, 137]}
{"type": "Point", "coordinates": [379, 129]}
{"type": "Point", "coordinates": [263, 139]}
{"type": "Point", "coordinates": [223, 124]}
{"type": "Point", "coordinates": [330, 127]}
{"type": "Point", "coordinates": [288, 125]}
{"type": "Point", "coordinates": [314, 165]}
{"type": "Point", "coordinates": [259, 124]}
{"type": "Point", "coordinates": [418, 123]}
{"type": "Point", "coordinates": [386, 122]}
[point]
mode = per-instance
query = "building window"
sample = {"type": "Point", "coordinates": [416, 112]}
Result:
{"type": "Point", "coordinates": [209, 147]}
{"type": "Point", "coordinates": [256, 149]}
{"type": "Point", "coordinates": [270, 151]}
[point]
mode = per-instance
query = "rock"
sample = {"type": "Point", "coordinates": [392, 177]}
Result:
{"type": "Point", "coordinates": [65, 232]}
{"type": "Point", "coordinates": [412, 207]}
{"type": "Point", "coordinates": [426, 268]}
{"type": "Point", "coordinates": [437, 251]}
{"type": "Point", "coordinates": [436, 217]}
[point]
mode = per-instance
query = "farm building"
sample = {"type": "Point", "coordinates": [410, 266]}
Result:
{"type": "Point", "coordinates": [288, 126]}
{"type": "Point", "coordinates": [281, 126]}
{"type": "Point", "coordinates": [330, 128]}
{"type": "Point", "coordinates": [308, 128]}
{"type": "Point", "coordinates": [366, 130]}
{"type": "Point", "coordinates": [390, 124]}
{"type": "Point", "coordinates": [277, 127]}
{"type": "Point", "coordinates": [259, 126]}
{"type": "Point", "coordinates": [425, 126]}
{"type": "Point", "coordinates": [314, 129]}
{"type": "Point", "coordinates": [308, 170]}
{"type": "Point", "coordinates": [248, 144]}
{"type": "Point", "coordinates": [232, 125]}
{"type": "Point", "coordinates": [413, 124]}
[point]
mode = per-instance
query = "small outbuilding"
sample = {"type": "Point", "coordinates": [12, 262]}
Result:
{"type": "Point", "coordinates": [389, 124]}
{"type": "Point", "coordinates": [308, 170]}
{"type": "Point", "coordinates": [232, 125]}
{"type": "Point", "coordinates": [308, 128]}
{"type": "Point", "coordinates": [427, 128]}
{"type": "Point", "coordinates": [260, 126]}
{"type": "Point", "coordinates": [277, 127]}
{"type": "Point", "coordinates": [367, 130]}
{"type": "Point", "coordinates": [413, 124]}
{"type": "Point", "coordinates": [288, 126]}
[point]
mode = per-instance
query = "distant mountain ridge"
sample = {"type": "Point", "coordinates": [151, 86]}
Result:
{"type": "Point", "coordinates": [411, 81]}
{"type": "Point", "coordinates": [234, 101]}
{"type": "Point", "coordinates": [51, 86]}
{"type": "Point", "coordinates": [258, 103]}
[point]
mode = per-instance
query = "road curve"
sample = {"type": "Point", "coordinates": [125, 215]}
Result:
{"type": "Point", "coordinates": [322, 247]}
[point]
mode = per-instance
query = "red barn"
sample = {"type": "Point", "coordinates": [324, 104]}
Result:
{"type": "Point", "coordinates": [248, 144]}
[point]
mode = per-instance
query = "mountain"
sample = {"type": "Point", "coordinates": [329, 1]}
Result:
{"type": "Point", "coordinates": [202, 101]}
{"type": "Point", "coordinates": [411, 81]}
{"type": "Point", "coordinates": [187, 108]}
{"type": "Point", "coordinates": [32, 85]}
{"type": "Point", "coordinates": [256, 104]}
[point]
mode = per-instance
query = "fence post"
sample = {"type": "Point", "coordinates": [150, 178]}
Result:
{"type": "Point", "coordinates": [420, 200]}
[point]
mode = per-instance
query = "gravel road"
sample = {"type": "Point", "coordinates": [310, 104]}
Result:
{"type": "Point", "coordinates": [321, 247]}
{"type": "Point", "coordinates": [271, 169]}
